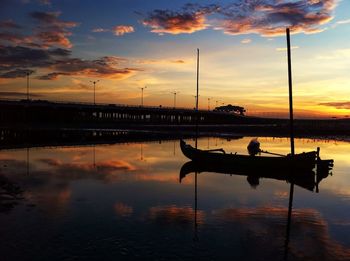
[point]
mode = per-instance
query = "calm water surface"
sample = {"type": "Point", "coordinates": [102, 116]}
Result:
{"type": "Point", "coordinates": [125, 202]}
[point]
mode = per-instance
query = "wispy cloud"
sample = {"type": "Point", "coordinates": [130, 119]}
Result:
{"type": "Point", "coordinates": [339, 54]}
{"type": "Point", "coordinates": [18, 94]}
{"type": "Point", "coordinates": [160, 61]}
{"type": "Point", "coordinates": [337, 105]}
{"type": "Point", "coordinates": [344, 22]}
{"type": "Point", "coordinates": [99, 30]}
{"type": "Point", "coordinates": [283, 49]}
{"type": "Point", "coordinates": [246, 41]}
{"type": "Point", "coordinates": [118, 30]}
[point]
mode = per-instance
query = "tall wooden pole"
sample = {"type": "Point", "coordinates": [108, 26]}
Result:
{"type": "Point", "coordinates": [197, 80]}
{"type": "Point", "coordinates": [291, 191]}
{"type": "Point", "coordinates": [290, 83]}
{"type": "Point", "coordinates": [197, 116]}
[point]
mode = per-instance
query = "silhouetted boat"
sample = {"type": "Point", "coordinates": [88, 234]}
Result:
{"type": "Point", "coordinates": [303, 178]}
{"type": "Point", "coordinates": [302, 161]}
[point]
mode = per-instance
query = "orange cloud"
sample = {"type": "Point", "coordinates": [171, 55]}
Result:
{"type": "Point", "coordinates": [190, 20]}
{"type": "Point", "coordinates": [120, 30]}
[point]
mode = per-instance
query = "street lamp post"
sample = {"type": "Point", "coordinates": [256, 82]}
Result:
{"type": "Point", "coordinates": [27, 85]}
{"type": "Point", "coordinates": [209, 103]}
{"type": "Point", "coordinates": [175, 98]}
{"type": "Point", "coordinates": [142, 95]}
{"type": "Point", "coordinates": [94, 82]}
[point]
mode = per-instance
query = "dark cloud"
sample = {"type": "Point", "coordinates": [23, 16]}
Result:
{"type": "Point", "coordinates": [271, 17]}
{"type": "Point", "coordinates": [49, 33]}
{"type": "Point", "coordinates": [15, 61]}
{"type": "Point", "coordinates": [20, 53]}
{"type": "Point", "coordinates": [19, 57]}
{"type": "Point", "coordinates": [264, 17]}
{"type": "Point", "coordinates": [9, 24]}
{"type": "Point", "coordinates": [51, 76]}
{"type": "Point", "coordinates": [103, 67]}
{"type": "Point", "coordinates": [48, 19]}
{"type": "Point", "coordinates": [338, 105]}
{"type": "Point", "coordinates": [52, 31]}
{"type": "Point", "coordinates": [16, 73]}
{"type": "Point", "coordinates": [14, 38]}
{"type": "Point", "coordinates": [60, 52]}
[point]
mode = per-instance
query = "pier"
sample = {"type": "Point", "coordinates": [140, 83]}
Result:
{"type": "Point", "coordinates": [39, 112]}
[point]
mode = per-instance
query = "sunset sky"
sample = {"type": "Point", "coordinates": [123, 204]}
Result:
{"type": "Point", "coordinates": [129, 44]}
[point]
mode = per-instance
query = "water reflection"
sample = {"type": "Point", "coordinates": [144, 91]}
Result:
{"type": "Point", "coordinates": [307, 179]}
{"type": "Point", "coordinates": [10, 194]}
{"type": "Point", "coordinates": [116, 206]}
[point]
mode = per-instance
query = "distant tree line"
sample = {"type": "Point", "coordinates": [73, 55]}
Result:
{"type": "Point", "coordinates": [231, 108]}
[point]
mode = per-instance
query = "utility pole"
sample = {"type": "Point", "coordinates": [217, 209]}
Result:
{"type": "Point", "coordinates": [94, 83]}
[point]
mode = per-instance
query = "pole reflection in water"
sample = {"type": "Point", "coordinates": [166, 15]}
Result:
{"type": "Point", "coordinates": [93, 156]}
{"type": "Point", "coordinates": [195, 238]}
{"type": "Point", "coordinates": [141, 151]}
{"type": "Point", "coordinates": [290, 206]}
{"type": "Point", "coordinates": [27, 160]}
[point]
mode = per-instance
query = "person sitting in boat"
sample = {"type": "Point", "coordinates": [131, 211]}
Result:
{"type": "Point", "coordinates": [254, 147]}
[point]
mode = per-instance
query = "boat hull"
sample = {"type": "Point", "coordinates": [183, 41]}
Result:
{"type": "Point", "coordinates": [303, 161]}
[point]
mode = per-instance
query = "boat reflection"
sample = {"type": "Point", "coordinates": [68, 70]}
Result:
{"type": "Point", "coordinates": [307, 179]}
